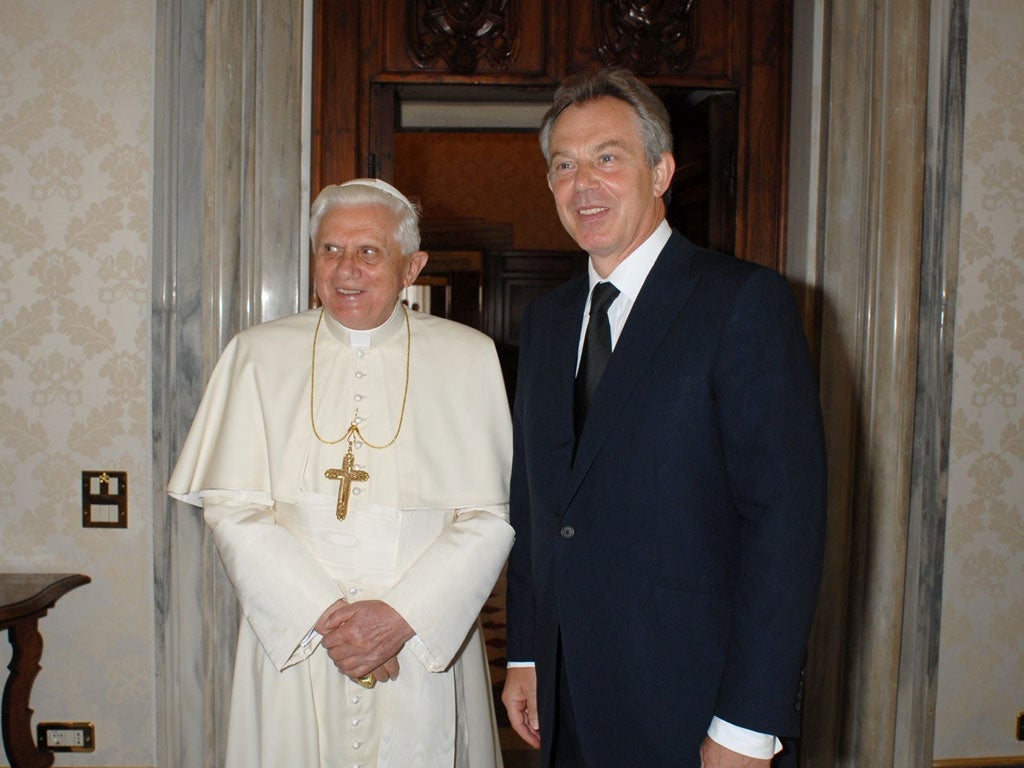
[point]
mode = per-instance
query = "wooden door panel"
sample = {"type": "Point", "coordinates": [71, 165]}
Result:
{"type": "Point", "coordinates": [512, 279]}
{"type": "Point", "coordinates": [451, 39]}
{"type": "Point", "coordinates": [659, 40]}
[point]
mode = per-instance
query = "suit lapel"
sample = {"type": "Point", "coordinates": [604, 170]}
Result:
{"type": "Point", "coordinates": [565, 341]}
{"type": "Point", "coordinates": [664, 294]}
{"type": "Point", "coordinates": [556, 360]}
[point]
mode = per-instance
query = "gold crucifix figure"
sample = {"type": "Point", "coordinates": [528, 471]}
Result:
{"type": "Point", "coordinates": [347, 475]}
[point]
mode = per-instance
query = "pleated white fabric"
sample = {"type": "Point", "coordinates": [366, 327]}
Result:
{"type": "Point", "coordinates": [427, 533]}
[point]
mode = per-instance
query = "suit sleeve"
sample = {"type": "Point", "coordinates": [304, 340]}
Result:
{"type": "Point", "coordinates": [770, 420]}
{"type": "Point", "coordinates": [520, 598]}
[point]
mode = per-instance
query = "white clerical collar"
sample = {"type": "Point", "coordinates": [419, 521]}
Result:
{"type": "Point", "coordinates": [365, 339]}
{"type": "Point", "coordinates": [632, 271]}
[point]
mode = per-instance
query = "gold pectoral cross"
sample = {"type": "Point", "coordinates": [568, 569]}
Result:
{"type": "Point", "coordinates": [348, 474]}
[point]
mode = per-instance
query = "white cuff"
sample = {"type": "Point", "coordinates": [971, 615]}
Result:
{"type": "Point", "coordinates": [761, 746]}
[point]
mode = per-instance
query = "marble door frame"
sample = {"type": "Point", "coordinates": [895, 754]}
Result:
{"type": "Point", "coordinates": [229, 193]}
{"type": "Point", "coordinates": [886, 250]}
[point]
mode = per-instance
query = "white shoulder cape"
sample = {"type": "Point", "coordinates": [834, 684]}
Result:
{"type": "Point", "coordinates": [252, 431]}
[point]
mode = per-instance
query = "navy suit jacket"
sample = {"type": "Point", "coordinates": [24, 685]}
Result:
{"type": "Point", "coordinates": [678, 554]}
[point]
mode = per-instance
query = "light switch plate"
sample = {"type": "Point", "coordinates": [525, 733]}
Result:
{"type": "Point", "coordinates": [104, 499]}
{"type": "Point", "coordinates": [66, 737]}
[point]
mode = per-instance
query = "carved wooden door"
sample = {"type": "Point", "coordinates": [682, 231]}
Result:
{"type": "Point", "coordinates": [722, 61]}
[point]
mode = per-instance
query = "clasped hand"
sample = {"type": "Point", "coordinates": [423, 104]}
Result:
{"type": "Point", "coordinates": [364, 637]}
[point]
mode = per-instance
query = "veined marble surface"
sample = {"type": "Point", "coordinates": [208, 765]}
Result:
{"type": "Point", "coordinates": [227, 254]}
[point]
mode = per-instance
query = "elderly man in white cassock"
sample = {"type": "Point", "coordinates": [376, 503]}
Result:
{"type": "Point", "coordinates": [353, 464]}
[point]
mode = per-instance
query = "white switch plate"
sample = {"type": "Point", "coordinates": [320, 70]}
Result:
{"type": "Point", "coordinates": [66, 737]}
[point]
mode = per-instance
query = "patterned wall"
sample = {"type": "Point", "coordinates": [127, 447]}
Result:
{"type": "Point", "coordinates": [76, 151]}
{"type": "Point", "coordinates": [981, 665]}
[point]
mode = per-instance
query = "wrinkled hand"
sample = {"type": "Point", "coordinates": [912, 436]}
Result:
{"type": "Point", "coordinates": [386, 671]}
{"type": "Point", "coordinates": [714, 755]}
{"type": "Point", "coordinates": [520, 699]}
{"type": "Point", "coordinates": [364, 637]}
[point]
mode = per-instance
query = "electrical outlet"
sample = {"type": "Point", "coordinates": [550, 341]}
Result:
{"type": "Point", "coordinates": [66, 737]}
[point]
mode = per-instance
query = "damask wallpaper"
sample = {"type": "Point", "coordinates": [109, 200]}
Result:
{"type": "Point", "coordinates": [76, 152]}
{"type": "Point", "coordinates": [981, 666]}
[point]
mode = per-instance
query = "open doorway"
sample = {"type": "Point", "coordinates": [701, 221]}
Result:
{"type": "Point", "coordinates": [471, 158]}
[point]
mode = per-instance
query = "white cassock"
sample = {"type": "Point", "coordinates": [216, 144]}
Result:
{"type": "Point", "coordinates": [427, 533]}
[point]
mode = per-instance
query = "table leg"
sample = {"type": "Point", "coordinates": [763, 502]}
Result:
{"type": "Point", "coordinates": [19, 743]}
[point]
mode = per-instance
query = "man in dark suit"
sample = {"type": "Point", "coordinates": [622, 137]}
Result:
{"type": "Point", "coordinates": [668, 482]}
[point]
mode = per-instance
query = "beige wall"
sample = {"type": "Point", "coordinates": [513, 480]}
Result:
{"type": "Point", "coordinates": [76, 147]}
{"type": "Point", "coordinates": [981, 665]}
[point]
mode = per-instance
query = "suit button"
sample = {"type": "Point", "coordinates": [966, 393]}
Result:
{"type": "Point", "coordinates": [567, 532]}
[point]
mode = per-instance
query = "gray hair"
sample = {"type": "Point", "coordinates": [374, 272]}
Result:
{"type": "Point", "coordinates": [369, 192]}
{"type": "Point", "coordinates": [655, 127]}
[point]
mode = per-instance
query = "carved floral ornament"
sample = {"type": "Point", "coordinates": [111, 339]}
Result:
{"type": "Point", "coordinates": [463, 33]}
{"type": "Point", "coordinates": [641, 36]}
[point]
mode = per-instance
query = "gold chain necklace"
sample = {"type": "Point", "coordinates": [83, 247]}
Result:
{"type": "Point", "coordinates": [348, 474]}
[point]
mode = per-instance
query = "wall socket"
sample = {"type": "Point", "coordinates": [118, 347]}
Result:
{"type": "Point", "coordinates": [66, 737]}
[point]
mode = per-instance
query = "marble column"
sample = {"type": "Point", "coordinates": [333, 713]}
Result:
{"type": "Point", "coordinates": [227, 253]}
{"type": "Point", "coordinates": [866, 701]}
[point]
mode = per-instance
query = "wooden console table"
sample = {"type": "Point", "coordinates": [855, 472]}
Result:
{"type": "Point", "coordinates": [24, 599]}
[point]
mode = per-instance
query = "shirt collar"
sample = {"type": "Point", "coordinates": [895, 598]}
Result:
{"type": "Point", "coordinates": [371, 337]}
{"type": "Point", "coordinates": [632, 271]}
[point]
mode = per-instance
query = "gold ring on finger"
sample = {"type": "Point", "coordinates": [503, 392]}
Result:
{"type": "Point", "coordinates": [367, 681]}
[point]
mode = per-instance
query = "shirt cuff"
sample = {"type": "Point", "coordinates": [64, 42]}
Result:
{"type": "Point", "coordinates": [513, 664]}
{"type": "Point", "coordinates": [312, 638]}
{"type": "Point", "coordinates": [761, 746]}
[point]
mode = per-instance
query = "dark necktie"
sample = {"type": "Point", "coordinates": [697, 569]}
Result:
{"type": "Point", "coordinates": [597, 348]}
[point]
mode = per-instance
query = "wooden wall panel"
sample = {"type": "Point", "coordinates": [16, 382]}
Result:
{"type": "Point", "coordinates": [650, 48]}
{"type": "Point", "coordinates": [464, 40]}
{"type": "Point", "coordinates": [338, 103]}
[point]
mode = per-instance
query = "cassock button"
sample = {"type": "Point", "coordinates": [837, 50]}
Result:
{"type": "Point", "coordinates": [356, 491]}
{"type": "Point", "coordinates": [567, 532]}
{"type": "Point", "coordinates": [355, 699]}
{"type": "Point", "coordinates": [356, 744]}
{"type": "Point", "coordinates": [359, 374]}
{"type": "Point", "coordinates": [353, 591]}
{"type": "Point", "coordinates": [359, 398]}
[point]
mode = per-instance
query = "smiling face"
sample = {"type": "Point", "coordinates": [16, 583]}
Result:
{"type": "Point", "coordinates": [359, 267]}
{"type": "Point", "coordinates": [607, 196]}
